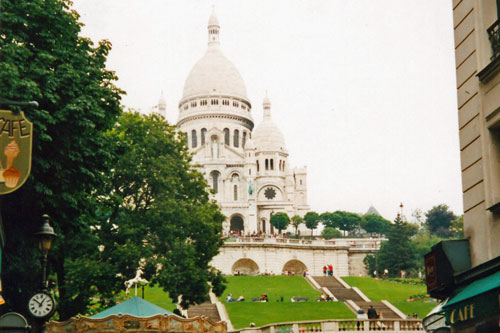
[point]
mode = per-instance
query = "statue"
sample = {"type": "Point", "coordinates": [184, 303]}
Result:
{"type": "Point", "coordinates": [250, 187]}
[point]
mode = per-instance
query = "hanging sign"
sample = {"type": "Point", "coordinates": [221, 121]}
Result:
{"type": "Point", "coordinates": [16, 134]}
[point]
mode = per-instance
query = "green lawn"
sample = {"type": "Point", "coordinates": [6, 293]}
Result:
{"type": "Point", "coordinates": [395, 293]}
{"type": "Point", "coordinates": [274, 286]}
{"type": "Point", "coordinates": [242, 314]}
{"type": "Point", "coordinates": [275, 311]}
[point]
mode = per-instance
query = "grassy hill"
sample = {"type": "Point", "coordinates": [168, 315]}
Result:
{"type": "Point", "coordinates": [394, 292]}
{"type": "Point", "coordinates": [275, 311]}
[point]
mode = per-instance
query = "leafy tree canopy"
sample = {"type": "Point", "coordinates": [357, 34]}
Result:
{"type": "Point", "coordinates": [345, 221]}
{"type": "Point", "coordinates": [329, 233]}
{"type": "Point", "coordinates": [311, 219]}
{"type": "Point", "coordinates": [42, 58]}
{"type": "Point", "coordinates": [280, 221]}
{"type": "Point", "coordinates": [296, 221]}
{"type": "Point", "coordinates": [375, 224]}
{"type": "Point", "coordinates": [159, 210]}
{"type": "Point", "coordinates": [438, 220]}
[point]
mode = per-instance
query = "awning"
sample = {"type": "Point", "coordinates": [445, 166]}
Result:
{"type": "Point", "coordinates": [476, 300]}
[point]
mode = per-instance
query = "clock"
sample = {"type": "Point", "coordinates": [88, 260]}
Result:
{"type": "Point", "coordinates": [41, 305]}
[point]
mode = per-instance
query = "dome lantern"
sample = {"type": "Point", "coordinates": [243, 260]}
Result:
{"type": "Point", "coordinates": [213, 29]}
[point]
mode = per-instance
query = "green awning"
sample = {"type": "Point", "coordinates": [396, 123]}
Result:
{"type": "Point", "coordinates": [478, 299]}
{"type": "Point", "coordinates": [136, 307]}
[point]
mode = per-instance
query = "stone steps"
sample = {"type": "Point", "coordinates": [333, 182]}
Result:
{"type": "Point", "coordinates": [206, 309]}
{"type": "Point", "coordinates": [337, 289]}
{"type": "Point", "coordinates": [379, 307]}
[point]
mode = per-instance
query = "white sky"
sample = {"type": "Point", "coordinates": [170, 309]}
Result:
{"type": "Point", "coordinates": [364, 91]}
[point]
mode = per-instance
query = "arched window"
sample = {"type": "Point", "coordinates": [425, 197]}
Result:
{"type": "Point", "coordinates": [250, 171]}
{"type": "Point", "coordinates": [280, 165]}
{"type": "Point", "coordinates": [301, 182]}
{"type": "Point", "coordinates": [257, 165]}
{"type": "Point", "coordinates": [215, 180]}
{"type": "Point", "coordinates": [236, 138]}
{"type": "Point", "coordinates": [235, 192]}
{"type": "Point", "coordinates": [226, 136]}
{"type": "Point", "coordinates": [203, 134]}
{"type": "Point", "coordinates": [272, 164]}
{"type": "Point", "coordinates": [283, 165]}
{"type": "Point", "coordinates": [194, 139]}
{"type": "Point", "coordinates": [244, 140]}
{"type": "Point", "coordinates": [267, 164]}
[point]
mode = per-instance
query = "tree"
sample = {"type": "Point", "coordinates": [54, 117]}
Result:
{"type": "Point", "coordinates": [375, 224]}
{"type": "Point", "coordinates": [280, 221]}
{"type": "Point", "coordinates": [423, 242]}
{"type": "Point", "coordinates": [345, 221]}
{"type": "Point", "coordinates": [457, 227]}
{"type": "Point", "coordinates": [398, 252]}
{"type": "Point", "coordinates": [155, 205]}
{"type": "Point", "coordinates": [329, 233]}
{"type": "Point", "coordinates": [311, 219]}
{"type": "Point", "coordinates": [296, 221]}
{"type": "Point", "coordinates": [438, 220]}
{"type": "Point", "coordinates": [42, 58]}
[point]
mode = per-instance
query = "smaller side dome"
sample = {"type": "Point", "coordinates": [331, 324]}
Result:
{"type": "Point", "coordinates": [267, 136]}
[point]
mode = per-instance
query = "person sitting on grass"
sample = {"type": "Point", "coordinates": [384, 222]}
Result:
{"type": "Point", "coordinates": [241, 298]}
{"type": "Point", "coordinates": [229, 298]}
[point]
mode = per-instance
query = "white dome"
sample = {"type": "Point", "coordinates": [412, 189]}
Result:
{"type": "Point", "coordinates": [268, 137]}
{"type": "Point", "coordinates": [214, 74]}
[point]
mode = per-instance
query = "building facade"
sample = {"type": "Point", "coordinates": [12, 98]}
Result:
{"type": "Point", "coordinates": [467, 272]}
{"type": "Point", "coordinates": [246, 167]}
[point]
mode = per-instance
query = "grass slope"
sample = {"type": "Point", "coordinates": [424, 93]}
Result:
{"type": "Point", "coordinates": [243, 313]}
{"type": "Point", "coordinates": [395, 293]}
{"type": "Point", "coordinates": [157, 296]}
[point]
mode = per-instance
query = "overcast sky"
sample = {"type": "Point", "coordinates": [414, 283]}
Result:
{"type": "Point", "coordinates": [363, 91]}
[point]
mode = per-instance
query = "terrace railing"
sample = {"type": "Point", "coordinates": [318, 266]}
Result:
{"type": "Point", "coordinates": [363, 243]}
{"type": "Point", "coordinates": [494, 37]}
{"type": "Point", "coordinates": [341, 325]}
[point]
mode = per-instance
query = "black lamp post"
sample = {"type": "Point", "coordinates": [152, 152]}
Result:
{"type": "Point", "coordinates": [45, 236]}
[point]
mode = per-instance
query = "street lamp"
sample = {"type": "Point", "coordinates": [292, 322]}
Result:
{"type": "Point", "coordinates": [42, 305]}
{"type": "Point", "coordinates": [45, 236]}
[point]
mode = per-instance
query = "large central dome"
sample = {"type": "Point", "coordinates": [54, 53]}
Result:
{"type": "Point", "coordinates": [214, 74]}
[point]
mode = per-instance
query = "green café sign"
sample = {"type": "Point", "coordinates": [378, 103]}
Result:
{"type": "Point", "coordinates": [16, 134]}
{"type": "Point", "coordinates": [473, 308]}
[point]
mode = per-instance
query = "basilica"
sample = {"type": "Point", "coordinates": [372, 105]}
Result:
{"type": "Point", "coordinates": [246, 167]}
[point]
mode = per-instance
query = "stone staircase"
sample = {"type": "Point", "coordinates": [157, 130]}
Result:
{"type": "Point", "coordinates": [343, 294]}
{"type": "Point", "coordinates": [379, 307]}
{"type": "Point", "coordinates": [206, 309]}
{"type": "Point", "coordinates": [337, 289]}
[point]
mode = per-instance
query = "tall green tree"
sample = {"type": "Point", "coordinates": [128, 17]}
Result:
{"type": "Point", "coordinates": [280, 221]}
{"type": "Point", "coordinates": [329, 233]}
{"type": "Point", "coordinates": [375, 224]}
{"type": "Point", "coordinates": [398, 252]}
{"type": "Point", "coordinates": [155, 205]}
{"type": "Point", "coordinates": [296, 221]}
{"type": "Point", "coordinates": [438, 220]}
{"type": "Point", "coordinates": [345, 221]}
{"type": "Point", "coordinates": [43, 58]}
{"type": "Point", "coordinates": [311, 219]}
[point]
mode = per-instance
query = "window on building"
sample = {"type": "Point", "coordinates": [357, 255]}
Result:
{"type": "Point", "coordinates": [226, 136]}
{"type": "Point", "coordinates": [194, 139]}
{"type": "Point", "coordinates": [300, 182]}
{"type": "Point", "coordinates": [214, 102]}
{"type": "Point", "coordinates": [203, 135]}
{"type": "Point", "coordinates": [244, 140]}
{"type": "Point", "coordinates": [236, 138]}
{"type": "Point", "coordinates": [236, 104]}
{"type": "Point", "coordinates": [235, 192]}
{"type": "Point", "coordinates": [267, 164]}
{"type": "Point", "coordinates": [215, 180]}
{"type": "Point", "coordinates": [258, 166]}
{"type": "Point", "coordinates": [203, 102]}
{"type": "Point", "coordinates": [272, 164]}
{"type": "Point", "coordinates": [186, 106]}
{"type": "Point", "coordinates": [250, 172]}
{"type": "Point", "coordinates": [283, 165]}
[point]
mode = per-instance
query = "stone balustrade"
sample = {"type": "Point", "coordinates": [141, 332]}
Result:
{"type": "Point", "coordinates": [359, 243]}
{"type": "Point", "coordinates": [341, 325]}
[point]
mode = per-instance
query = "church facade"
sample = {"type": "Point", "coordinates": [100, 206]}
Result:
{"type": "Point", "coordinates": [246, 167]}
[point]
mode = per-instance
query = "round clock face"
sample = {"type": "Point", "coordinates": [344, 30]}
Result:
{"type": "Point", "coordinates": [41, 305]}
